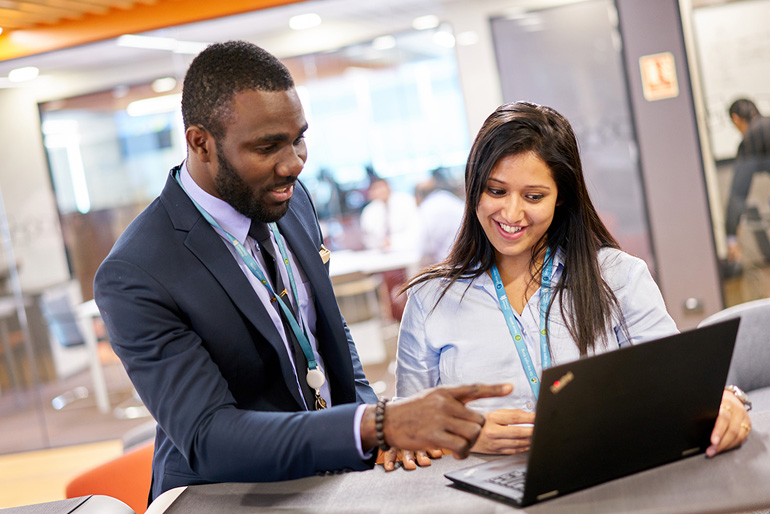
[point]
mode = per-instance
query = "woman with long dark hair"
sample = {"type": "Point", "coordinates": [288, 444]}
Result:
{"type": "Point", "coordinates": [534, 279]}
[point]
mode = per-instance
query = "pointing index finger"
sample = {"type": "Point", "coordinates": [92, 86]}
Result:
{"type": "Point", "coordinates": [472, 392]}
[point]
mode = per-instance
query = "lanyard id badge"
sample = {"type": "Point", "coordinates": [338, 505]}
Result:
{"type": "Point", "coordinates": [513, 324]}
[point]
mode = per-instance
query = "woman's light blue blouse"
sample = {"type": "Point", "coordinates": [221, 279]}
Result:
{"type": "Point", "coordinates": [465, 338]}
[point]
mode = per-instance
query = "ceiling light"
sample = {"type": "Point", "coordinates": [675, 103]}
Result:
{"type": "Point", "coordinates": [514, 13]}
{"type": "Point", "coordinates": [1, 30]}
{"type": "Point", "coordinates": [190, 47]}
{"type": "Point", "coordinates": [429, 21]}
{"type": "Point", "coordinates": [23, 74]}
{"type": "Point", "coordinates": [384, 43]}
{"type": "Point", "coordinates": [445, 39]}
{"type": "Point", "coordinates": [152, 43]}
{"type": "Point", "coordinates": [530, 20]}
{"type": "Point", "coordinates": [163, 85]}
{"type": "Point", "coordinates": [59, 126]}
{"type": "Point", "coordinates": [161, 43]}
{"type": "Point", "coordinates": [467, 38]}
{"type": "Point", "coordinates": [155, 105]}
{"type": "Point", "coordinates": [304, 21]}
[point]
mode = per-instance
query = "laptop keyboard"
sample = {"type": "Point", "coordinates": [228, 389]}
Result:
{"type": "Point", "coordinates": [512, 480]}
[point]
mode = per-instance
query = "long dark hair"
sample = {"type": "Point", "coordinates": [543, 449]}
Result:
{"type": "Point", "coordinates": [576, 229]}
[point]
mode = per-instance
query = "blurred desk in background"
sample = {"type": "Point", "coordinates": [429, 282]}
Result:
{"type": "Point", "coordinates": [365, 283]}
{"type": "Point", "coordinates": [391, 268]}
{"type": "Point", "coordinates": [343, 262]}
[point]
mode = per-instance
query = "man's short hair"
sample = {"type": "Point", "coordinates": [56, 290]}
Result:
{"type": "Point", "coordinates": [744, 108]}
{"type": "Point", "coordinates": [222, 70]}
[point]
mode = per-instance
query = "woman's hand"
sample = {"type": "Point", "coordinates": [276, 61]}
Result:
{"type": "Point", "coordinates": [505, 431]}
{"type": "Point", "coordinates": [409, 459]}
{"type": "Point", "coordinates": [732, 426]}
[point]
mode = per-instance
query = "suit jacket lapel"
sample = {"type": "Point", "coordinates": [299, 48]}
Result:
{"type": "Point", "coordinates": [204, 242]}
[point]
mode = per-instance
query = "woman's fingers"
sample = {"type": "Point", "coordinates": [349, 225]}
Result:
{"type": "Point", "coordinates": [389, 459]}
{"type": "Point", "coordinates": [732, 426]}
{"type": "Point", "coordinates": [409, 459]}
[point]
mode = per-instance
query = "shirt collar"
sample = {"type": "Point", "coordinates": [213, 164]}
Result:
{"type": "Point", "coordinates": [228, 218]}
{"type": "Point", "coordinates": [558, 265]}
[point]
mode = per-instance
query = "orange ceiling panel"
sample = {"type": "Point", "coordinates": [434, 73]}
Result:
{"type": "Point", "coordinates": [118, 21]}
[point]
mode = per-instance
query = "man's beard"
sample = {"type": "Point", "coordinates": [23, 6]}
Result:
{"type": "Point", "coordinates": [233, 190]}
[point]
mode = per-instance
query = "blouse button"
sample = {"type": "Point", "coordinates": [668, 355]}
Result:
{"type": "Point", "coordinates": [530, 405]}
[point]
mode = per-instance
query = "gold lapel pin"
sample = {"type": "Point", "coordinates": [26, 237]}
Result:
{"type": "Point", "coordinates": [325, 254]}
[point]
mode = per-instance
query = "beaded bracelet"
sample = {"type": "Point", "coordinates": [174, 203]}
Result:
{"type": "Point", "coordinates": [379, 421]}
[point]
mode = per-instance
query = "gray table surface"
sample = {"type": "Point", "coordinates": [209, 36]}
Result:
{"type": "Point", "coordinates": [736, 481]}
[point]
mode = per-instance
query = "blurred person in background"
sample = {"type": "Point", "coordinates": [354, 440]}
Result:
{"type": "Point", "coordinates": [389, 220]}
{"type": "Point", "coordinates": [441, 213]}
{"type": "Point", "coordinates": [753, 156]}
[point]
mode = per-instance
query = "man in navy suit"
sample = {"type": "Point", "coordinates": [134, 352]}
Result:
{"type": "Point", "coordinates": [239, 384]}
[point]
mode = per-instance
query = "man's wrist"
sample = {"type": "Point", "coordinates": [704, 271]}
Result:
{"type": "Point", "coordinates": [368, 429]}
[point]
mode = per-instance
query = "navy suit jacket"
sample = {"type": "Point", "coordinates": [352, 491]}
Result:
{"type": "Point", "coordinates": [208, 362]}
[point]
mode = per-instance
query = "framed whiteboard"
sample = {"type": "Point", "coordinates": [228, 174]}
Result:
{"type": "Point", "coordinates": [733, 49]}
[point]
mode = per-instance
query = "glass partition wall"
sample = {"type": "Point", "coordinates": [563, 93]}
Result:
{"type": "Point", "coordinates": [732, 48]}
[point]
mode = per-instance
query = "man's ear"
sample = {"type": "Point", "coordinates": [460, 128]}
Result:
{"type": "Point", "coordinates": [200, 143]}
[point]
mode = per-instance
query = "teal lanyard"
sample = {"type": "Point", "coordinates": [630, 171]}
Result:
{"type": "Point", "coordinates": [251, 263]}
{"type": "Point", "coordinates": [513, 324]}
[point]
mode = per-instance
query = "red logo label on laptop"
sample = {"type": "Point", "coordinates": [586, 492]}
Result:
{"type": "Point", "coordinates": [558, 385]}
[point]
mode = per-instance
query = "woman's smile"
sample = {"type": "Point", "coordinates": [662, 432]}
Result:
{"type": "Point", "coordinates": [517, 207]}
{"type": "Point", "coordinates": [510, 229]}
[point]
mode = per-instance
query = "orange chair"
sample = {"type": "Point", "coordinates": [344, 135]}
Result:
{"type": "Point", "coordinates": [126, 478]}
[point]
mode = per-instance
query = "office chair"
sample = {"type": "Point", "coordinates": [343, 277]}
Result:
{"type": "Point", "coordinates": [751, 357]}
{"type": "Point", "coordinates": [126, 478]}
{"type": "Point", "coordinates": [356, 294]}
{"type": "Point", "coordinates": [58, 305]}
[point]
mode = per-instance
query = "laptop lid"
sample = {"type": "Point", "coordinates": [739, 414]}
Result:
{"type": "Point", "coordinates": [620, 412]}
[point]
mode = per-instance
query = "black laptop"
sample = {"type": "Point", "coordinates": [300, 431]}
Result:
{"type": "Point", "coordinates": [614, 414]}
